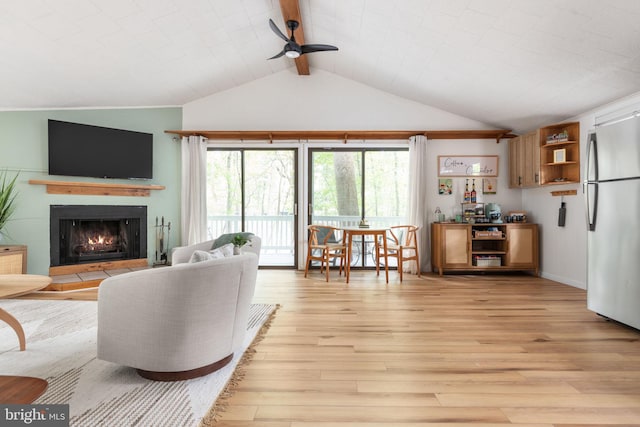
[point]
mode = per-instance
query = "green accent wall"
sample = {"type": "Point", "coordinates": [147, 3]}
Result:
{"type": "Point", "coordinates": [23, 149]}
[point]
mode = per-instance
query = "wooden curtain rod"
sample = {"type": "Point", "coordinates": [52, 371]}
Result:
{"type": "Point", "coordinates": [345, 135]}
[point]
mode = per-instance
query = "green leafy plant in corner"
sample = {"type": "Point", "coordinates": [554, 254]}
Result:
{"type": "Point", "coordinates": [239, 240]}
{"type": "Point", "coordinates": [8, 195]}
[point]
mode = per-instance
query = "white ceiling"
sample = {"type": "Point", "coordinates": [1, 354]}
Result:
{"type": "Point", "coordinates": [515, 64]}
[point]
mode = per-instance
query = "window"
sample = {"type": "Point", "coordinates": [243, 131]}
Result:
{"type": "Point", "coordinates": [348, 185]}
{"type": "Point", "coordinates": [254, 190]}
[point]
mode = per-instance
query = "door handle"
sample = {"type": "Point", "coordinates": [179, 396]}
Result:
{"type": "Point", "coordinates": [592, 168]}
{"type": "Point", "coordinates": [591, 215]}
{"type": "Point", "coordinates": [592, 150]}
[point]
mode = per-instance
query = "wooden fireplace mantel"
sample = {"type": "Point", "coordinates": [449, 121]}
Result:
{"type": "Point", "coordinates": [96, 189]}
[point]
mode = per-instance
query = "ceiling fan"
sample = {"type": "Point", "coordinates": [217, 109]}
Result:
{"type": "Point", "coordinates": [292, 49]}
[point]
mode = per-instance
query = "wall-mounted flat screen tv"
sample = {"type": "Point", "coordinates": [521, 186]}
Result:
{"type": "Point", "coordinates": [85, 150]}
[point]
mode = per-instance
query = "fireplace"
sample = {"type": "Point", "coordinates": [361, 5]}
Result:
{"type": "Point", "coordinates": [97, 233]}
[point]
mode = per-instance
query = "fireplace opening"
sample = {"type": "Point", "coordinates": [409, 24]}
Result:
{"type": "Point", "coordinates": [99, 239]}
{"type": "Point", "coordinates": [87, 234]}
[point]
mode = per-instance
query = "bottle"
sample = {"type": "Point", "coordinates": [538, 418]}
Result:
{"type": "Point", "coordinates": [467, 195]}
{"type": "Point", "coordinates": [473, 191]}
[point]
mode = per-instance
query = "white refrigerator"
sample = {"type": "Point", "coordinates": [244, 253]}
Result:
{"type": "Point", "coordinates": [612, 195]}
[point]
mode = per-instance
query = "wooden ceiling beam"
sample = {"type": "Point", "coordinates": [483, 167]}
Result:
{"type": "Point", "coordinates": [291, 11]}
{"type": "Point", "coordinates": [338, 135]}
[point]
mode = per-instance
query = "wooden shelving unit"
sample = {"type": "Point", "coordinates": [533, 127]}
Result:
{"type": "Point", "coordinates": [552, 171]}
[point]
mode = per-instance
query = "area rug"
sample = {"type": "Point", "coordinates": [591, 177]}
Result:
{"type": "Point", "coordinates": [61, 348]}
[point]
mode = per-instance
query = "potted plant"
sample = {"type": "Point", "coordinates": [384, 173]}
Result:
{"type": "Point", "coordinates": [8, 195]}
{"type": "Point", "coordinates": [238, 241]}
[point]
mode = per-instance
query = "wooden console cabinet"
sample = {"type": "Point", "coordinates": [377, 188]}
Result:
{"type": "Point", "coordinates": [484, 247]}
{"type": "Point", "coordinates": [13, 259]}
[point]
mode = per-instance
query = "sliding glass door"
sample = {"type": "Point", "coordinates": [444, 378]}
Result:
{"type": "Point", "coordinates": [254, 190]}
{"type": "Point", "coordinates": [349, 185]}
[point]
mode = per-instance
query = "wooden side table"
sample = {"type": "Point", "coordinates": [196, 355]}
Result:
{"type": "Point", "coordinates": [13, 285]}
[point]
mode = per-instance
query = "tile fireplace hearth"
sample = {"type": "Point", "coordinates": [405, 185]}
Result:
{"type": "Point", "coordinates": [86, 279]}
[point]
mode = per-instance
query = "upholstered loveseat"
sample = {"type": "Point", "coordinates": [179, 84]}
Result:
{"type": "Point", "coordinates": [177, 322]}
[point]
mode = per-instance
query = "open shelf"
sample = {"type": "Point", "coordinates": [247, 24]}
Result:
{"type": "Point", "coordinates": [558, 144]}
{"type": "Point", "coordinates": [569, 169]}
{"type": "Point", "coordinates": [560, 163]}
{"type": "Point", "coordinates": [96, 188]}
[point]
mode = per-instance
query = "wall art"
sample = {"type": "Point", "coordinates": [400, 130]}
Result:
{"type": "Point", "coordinates": [467, 165]}
{"type": "Point", "coordinates": [445, 186]}
{"type": "Point", "coordinates": [489, 185]}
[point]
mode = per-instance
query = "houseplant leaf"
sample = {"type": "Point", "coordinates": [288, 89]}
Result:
{"type": "Point", "coordinates": [8, 195]}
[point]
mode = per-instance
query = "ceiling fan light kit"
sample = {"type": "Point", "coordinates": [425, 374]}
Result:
{"type": "Point", "coordinates": [292, 49]}
{"type": "Point", "coordinates": [289, 52]}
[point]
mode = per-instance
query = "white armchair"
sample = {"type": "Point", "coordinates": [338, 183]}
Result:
{"type": "Point", "coordinates": [177, 322]}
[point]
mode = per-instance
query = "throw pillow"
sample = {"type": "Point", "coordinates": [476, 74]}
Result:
{"type": "Point", "coordinates": [226, 250]}
{"type": "Point", "coordinates": [225, 239]}
{"type": "Point", "coordinates": [216, 254]}
{"type": "Point", "coordinates": [199, 256]}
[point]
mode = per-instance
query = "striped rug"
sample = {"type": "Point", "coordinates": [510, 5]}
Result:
{"type": "Point", "coordinates": [61, 347]}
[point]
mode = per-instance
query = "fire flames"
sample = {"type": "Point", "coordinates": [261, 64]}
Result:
{"type": "Point", "coordinates": [100, 241]}
{"type": "Point", "coordinates": [94, 238]}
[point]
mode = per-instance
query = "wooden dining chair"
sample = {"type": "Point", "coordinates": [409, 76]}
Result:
{"type": "Point", "coordinates": [403, 245]}
{"type": "Point", "coordinates": [323, 247]}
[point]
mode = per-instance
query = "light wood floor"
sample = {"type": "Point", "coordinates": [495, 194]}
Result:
{"type": "Point", "coordinates": [437, 351]}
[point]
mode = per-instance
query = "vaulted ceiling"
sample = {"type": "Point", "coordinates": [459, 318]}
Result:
{"type": "Point", "coordinates": [512, 64]}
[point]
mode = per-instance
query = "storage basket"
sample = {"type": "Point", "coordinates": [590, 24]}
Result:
{"type": "Point", "coordinates": [488, 262]}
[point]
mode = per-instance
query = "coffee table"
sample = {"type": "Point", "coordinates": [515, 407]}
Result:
{"type": "Point", "coordinates": [13, 285]}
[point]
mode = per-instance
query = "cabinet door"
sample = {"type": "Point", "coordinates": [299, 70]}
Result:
{"type": "Point", "coordinates": [524, 161]}
{"type": "Point", "coordinates": [13, 260]}
{"type": "Point", "coordinates": [522, 246]}
{"type": "Point", "coordinates": [455, 241]}
{"type": "Point", "coordinates": [515, 162]}
{"type": "Point", "coordinates": [530, 160]}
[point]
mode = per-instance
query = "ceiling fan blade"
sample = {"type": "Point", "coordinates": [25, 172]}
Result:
{"type": "Point", "coordinates": [276, 30]}
{"type": "Point", "coordinates": [308, 48]}
{"type": "Point", "coordinates": [276, 56]}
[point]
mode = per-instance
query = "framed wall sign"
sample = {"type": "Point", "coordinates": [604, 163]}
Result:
{"type": "Point", "coordinates": [467, 165]}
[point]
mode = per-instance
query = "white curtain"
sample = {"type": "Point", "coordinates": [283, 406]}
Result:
{"type": "Point", "coordinates": [194, 186]}
{"type": "Point", "coordinates": [418, 209]}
